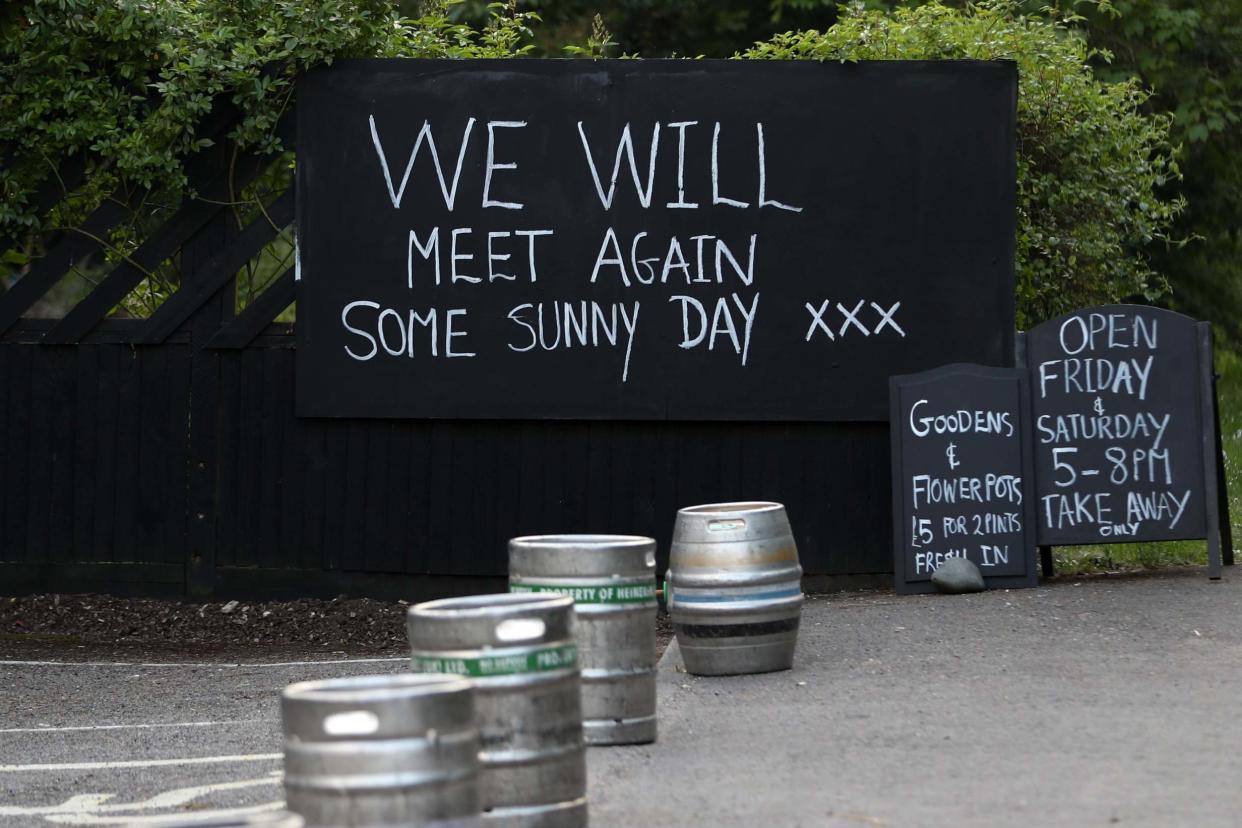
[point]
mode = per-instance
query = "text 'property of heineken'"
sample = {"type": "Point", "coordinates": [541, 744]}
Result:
{"type": "Point", "coordinates": [612, 581]}
{"type": "Point", "coordinates": [379, 751]}
{"type": "Point", "coordinates": [734, 588]}
{"type": "Point", "coordinates": [518, 651]}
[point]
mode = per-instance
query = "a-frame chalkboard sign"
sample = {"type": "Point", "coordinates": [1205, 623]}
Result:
{"type": "Point", "coordinates": [962, 470]}
{"type": "Point", "coordinates": [1125, 430]}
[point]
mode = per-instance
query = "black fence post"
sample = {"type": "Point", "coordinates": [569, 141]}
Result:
{"type": "Point", "coordinates": [203, 480]}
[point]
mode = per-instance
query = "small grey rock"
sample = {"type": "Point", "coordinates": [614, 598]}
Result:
{"type": "Point", "coordinates": [229, 607]}
{"type": "Point", "coordinates": [957, 575]}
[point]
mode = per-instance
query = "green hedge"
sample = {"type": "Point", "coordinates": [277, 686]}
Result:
{"type": "Point", "coordinates": [129, 80]}
{"type": "Point", "coordinates": [1091, 160]}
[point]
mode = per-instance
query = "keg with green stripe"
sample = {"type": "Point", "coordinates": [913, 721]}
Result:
{"type": "Point", "coordinates": [734, 588]}
{"type": "Point", "coordinates": [612, 581]}
{"type": "Point", "coordinates": [381, 751]}
{"type": "Point", "coordinates": [518, 652]}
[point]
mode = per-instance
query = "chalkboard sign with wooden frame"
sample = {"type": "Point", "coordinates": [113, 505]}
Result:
{"type": "Point", "coordinates": [1125, 435]}
{"type": "Point", "coordinates": [962, 475]}
{"type": "Point", "coordinates": [665, 240]}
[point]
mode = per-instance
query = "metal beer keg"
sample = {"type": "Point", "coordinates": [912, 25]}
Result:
{"type": "Point", "coordinates": [612, 581]}
{"type": "Point", "coordinates": [382, 751]}
{"type": "Point", "coordinates": [734, 588]}
{"type": "Point", "coordinates": [519, 653]}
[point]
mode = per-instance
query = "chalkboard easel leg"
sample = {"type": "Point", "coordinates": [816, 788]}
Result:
{"type": "Point", "coordinates": [1045, 560]}
{"type": "Point", "coordinates": [1222, 485]}
{"type": "Point", "coordinates": [1211, 451]}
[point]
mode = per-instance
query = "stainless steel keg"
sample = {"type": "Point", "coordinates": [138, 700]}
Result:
{"type": "Point", "coordinates": [518, 651]}
{"type": "Point", "coordinates": [612, 581]}
{"type": "Point", "coordinates": [734, 588]}
{"type": "Point", "coordinates": [382, 751]}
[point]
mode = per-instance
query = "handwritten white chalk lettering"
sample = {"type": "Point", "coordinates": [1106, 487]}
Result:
{"type": "Point", "coordinates": [926, 562]}
{"type": "Point", "coordinates": [1092, 375]}
{"type": "Point", "coordinates": [722, 322]}
{"type": "Point", "coordinates": [681, 203]}
{"type": "Point", "coordinates": [625, 147]}
{"type": "Point", "coordinates": [982, 523]}
{"type": "Point", "coordinates": [886, 318]}
{"type": "Point", "coordinates": [993, 555]}
{"type": "Point", "coordinates": [1071, 509]}
{"type": "Point", "coordinates": [1070, 428]}
{"type": "Point", "coordinates": [625, 152]}
{"type": "Point", "coordinates": [849, 319]}
{"type": "Point", "coordinates": [424, 134]}
{"type": "Point", "coordinates": [1104, 331]}
{"type": "Point", "coordinates": [987, 488]}
{"type": "Point", "coordinates": [455, 257]}
{"type": "Point", "coordinates": [610, 259]}
{"type": "Point", "coordinates": [962, 485]}
{"type": "Point", "coordinates": [396, 333]}
{"type": "Point", "coordinates": [1114, 472]}
{"type": "Point", "coordinates": [1157, 506]}
{"type": "Point", "coordinates": [427, 252]}
{"type": "Point", "coordinates": [1138, 465]}
{"type": "Point", "coordinates": [717, 198]}
{"type": "Point", "coordinates": [959, 421]}
{"type": "Point", "coordinates": [764, 201]}
{"type": "Point", "coordinates": [493, 165]}
{"type": "Point", "coordinates": [987, 557]}
{"type": "Point", "coordinates": [582, 324]}
{"type": "Point", "coordinates": [396, 193]}
{"type": "Point", "coordinates": [493, 257]}
{"type": "Point", "coordinates": [623, 163]}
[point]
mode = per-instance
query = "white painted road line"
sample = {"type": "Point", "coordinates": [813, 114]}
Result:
{"type": "Point", "coordinates": [145, 763]}
{"type": "Point", "coordinates": [196, 663]}
{"type": "Point", "coordinates": [102, 803]}
{"type": "Point", "coordinates": [227, 815]}
{"type": "Point", "coordinates": [50, 729]}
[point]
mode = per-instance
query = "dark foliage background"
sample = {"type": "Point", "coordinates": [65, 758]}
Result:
{"type": "Point", "coordinates": [1188, 52]}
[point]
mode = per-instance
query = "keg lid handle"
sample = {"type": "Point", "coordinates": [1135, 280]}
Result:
{"type": "Point", "coordinates": [726, 525]}
{"type": "Point", "coordinates": [351, 723]}
{"type": "Point", "coordinates": [520, 629]}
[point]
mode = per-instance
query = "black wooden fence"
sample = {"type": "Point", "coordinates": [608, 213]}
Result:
{"type": "Point", "coordinates": [163, 456]}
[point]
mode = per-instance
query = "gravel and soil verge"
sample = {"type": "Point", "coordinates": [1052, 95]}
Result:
{"type": "Point", "coordinates": [38, 625]}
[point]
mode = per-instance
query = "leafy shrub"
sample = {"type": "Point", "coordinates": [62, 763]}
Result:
{"type": "Point", "coordinates": [1190, 53]}
{"type": "Point", "coordinates": [1091, 162]}
{"type": "Point", "coordinates": [126, 83]}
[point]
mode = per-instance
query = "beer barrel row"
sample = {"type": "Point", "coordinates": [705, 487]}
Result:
{"type": "Point", "coordinates": [489, 728]}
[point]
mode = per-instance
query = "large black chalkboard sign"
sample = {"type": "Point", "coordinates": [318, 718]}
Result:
{"type": "Point", "coordinates": [1125, 444]}
{"type": "Point", "coordinates": [648, 239]}
{"type": "Point", "coordinates": [961, 475]}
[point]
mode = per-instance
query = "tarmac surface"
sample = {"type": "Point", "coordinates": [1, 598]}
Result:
{"type": "Point", "coordinates": [1100, 702]}
{"type": "Point", "coordinates": [1108, 701]}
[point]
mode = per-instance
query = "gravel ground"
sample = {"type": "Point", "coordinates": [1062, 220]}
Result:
{"type": "Point", "coordinates": [358, 625]}
{"type": "Point", "coordinates": [39, 624]}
